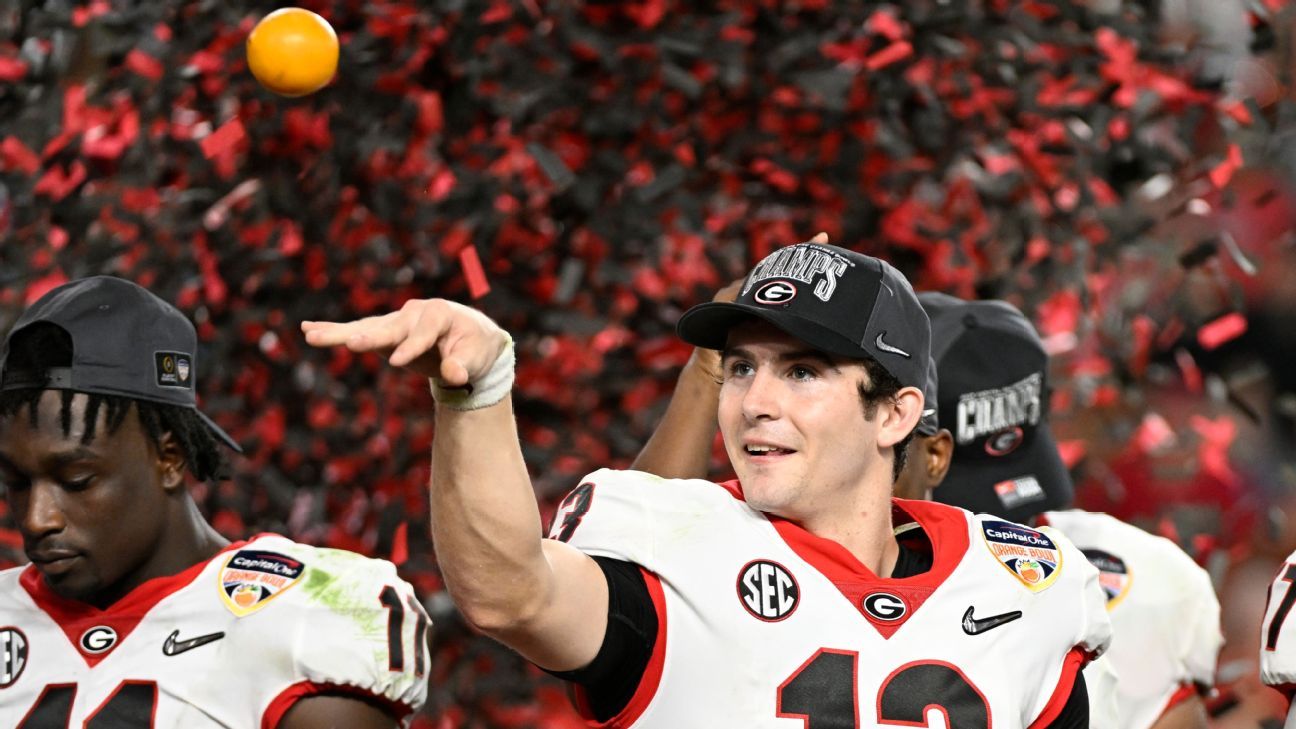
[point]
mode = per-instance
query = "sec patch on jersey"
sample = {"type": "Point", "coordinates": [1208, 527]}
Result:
{"type": "Point", "coordinates": [1029, 555]}
{"type": "Point", "coordinates": [13, 655]}
{"type": "Point", "coordinates": [251, 578]}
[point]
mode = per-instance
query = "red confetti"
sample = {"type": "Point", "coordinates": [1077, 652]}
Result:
{"type": "Point", "coordinates": [647, 13]}
{"type": "Point", "coordinates": [44, 285]}
{"type": "Point", "coordinates": [1222, 330]}
{"type": "Point", "coordinates": [469, 261]}
{"type": "Point", "coordinates": [290, 239]}
{"type": "Point", "coordinates": [885, 24]}
{"type": "Point", "coordinates": [442, 184]}
{"type": "Point", "coordinates": [12, 69]}
{"type": "Point", "coordinates": [1189, 370]}
{"type": "Point", "coordinates": [400, 545]}
{"type": "Point", "coordinates": [1071, 451]}
{"type": "Point", "coordinates": [57, 238]}
{"type": "Point", "coordinates": [223, 139]}
{"type": "Point", "coordinates": [83, 15]}
{"type": "Point", "coordinates": [893, 53]}
{"type": "Point", "coordinates": [15, 155]}
{"type": "Point", "coordinates": [1223, 172]}
{"type": "Point", "coordinates": [58, 183]}
{"type": "Point", "coordinates": [144, 64]}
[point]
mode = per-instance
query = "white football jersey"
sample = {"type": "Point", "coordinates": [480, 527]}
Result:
{"type": "Point", "coordinates": [1278, 635]}
{"type": "Point", "coordinates": [1165, 616]}
{"type": "Point", "coordinates": [766, 625]}
{"type": "Point", "coordinates": [232, 642]}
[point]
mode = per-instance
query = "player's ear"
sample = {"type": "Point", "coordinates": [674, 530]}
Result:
{"type": "Point", "coordinates": [938, 451]}
{"type": "Point", "coordinates": [170, 461]}
{"type": "Point", "coordinates": [900, 416]}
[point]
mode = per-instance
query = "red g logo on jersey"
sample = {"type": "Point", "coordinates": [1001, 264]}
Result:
{"type": "Point", "coordinates": [768, 590]}
{"type": "Point", "coordinates": [98, 639]}
{"type": "Point", "coordinates": [884, 606]}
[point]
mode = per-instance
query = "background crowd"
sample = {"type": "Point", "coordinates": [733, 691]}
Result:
{"type": "Point", "coordinates": [1125, 172]}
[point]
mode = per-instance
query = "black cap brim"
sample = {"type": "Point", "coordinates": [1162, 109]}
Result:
{"type": "Point", "coordinates": [970, 483]}
{"type": "Point", "coordinates": [219, 433]}
{"type": "Point", "coordinates": [707, 325]}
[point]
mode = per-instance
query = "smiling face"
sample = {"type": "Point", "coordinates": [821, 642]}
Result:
{"type": "Point", "coordinates": [92, 516]}
{"type": "Point", "coordinates": [795, 428]}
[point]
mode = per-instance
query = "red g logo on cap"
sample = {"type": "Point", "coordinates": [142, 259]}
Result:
{"type": "Point", "coordinates": [775, 292]}
{"type": "Point", "coordinates": [1005, 441]}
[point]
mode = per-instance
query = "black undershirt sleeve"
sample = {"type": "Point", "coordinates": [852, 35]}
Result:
{"type": "Point", "coordinates": [610, 680]}
{"type": "Point", "coordinates": [1075, 715]}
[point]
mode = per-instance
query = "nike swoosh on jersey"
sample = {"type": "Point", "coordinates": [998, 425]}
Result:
{"type": "Point", "coordinates": [882, 345]}
{"type": "Point", "coordinates": [173, 647]}
{"type": "Point", "coordinates": [972, 626]}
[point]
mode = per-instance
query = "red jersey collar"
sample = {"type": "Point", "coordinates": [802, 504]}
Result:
{"type": "Point", "coordinates": [77, 618]}
{"type": "Point", "coordinates": [946, 529]}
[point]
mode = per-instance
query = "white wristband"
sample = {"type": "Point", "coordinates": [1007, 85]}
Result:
{"type": "Point", "coordinates": [484, 392]}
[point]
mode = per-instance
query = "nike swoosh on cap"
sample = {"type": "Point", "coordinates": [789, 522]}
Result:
{"type": "Point", "coordinates": [888, 348]}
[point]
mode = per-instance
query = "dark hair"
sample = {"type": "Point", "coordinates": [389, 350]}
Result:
{"type": "Point", "coordinates": [45, 345]}
{"type": "Point", "coordinates": [883, 386]}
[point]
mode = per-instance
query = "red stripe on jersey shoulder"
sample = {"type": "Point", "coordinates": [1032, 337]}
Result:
{"type": "Point", "coordinates": [652, 674]}
{"type": "Point", "coordinates": [1075, 660]}
{"type": "Point", "coordinates": [1183, 693]}
{"type": "Point", "coordinates": [75, 617]}
{"type": "Point", "coordinates": [289, 697]}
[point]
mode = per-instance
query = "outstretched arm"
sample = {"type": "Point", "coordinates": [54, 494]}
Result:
{"type": "Point", "coordinates": [542, 598]}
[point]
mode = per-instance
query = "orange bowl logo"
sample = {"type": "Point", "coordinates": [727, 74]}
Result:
{"type": "Point", "coordinates": [1030, 570]}
{"type": "Point", "coordinates": [246, 595]}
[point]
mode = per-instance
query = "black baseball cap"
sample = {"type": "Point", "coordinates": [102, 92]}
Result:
{"type": "Point", "coordinates": [125, 341]}
{"type": "Point", "coordinates": [837, 301]}
{"type": "Point", "coordinates": [993, 397]}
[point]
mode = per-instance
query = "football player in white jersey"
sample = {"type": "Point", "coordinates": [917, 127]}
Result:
{"type": "Point", "coordinates": [787, 598]}
{"type": "Point", "coordinates": [1166, 630]}
{"type": "Point", "coordinates": [994, 397]}
{"type": "Point", "coordinates": [134, 613]}
{"type": "Point", "coordinates": [1278, 636]}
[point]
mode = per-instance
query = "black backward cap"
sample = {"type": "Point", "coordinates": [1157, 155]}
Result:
{"type": "Point", "coordinates": [125, 341]}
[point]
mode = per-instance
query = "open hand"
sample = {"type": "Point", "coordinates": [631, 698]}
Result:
{"type": "Point", "coordinates": [436, 338]}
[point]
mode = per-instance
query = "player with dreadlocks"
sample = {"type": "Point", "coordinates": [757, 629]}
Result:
{"type": "Point", "coordinates": [133, 604]}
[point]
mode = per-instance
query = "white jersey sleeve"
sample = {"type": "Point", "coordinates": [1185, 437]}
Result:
{"type": "Point", "coordinates": [620, 514]}
{"type": "Point", "coordinates": [1165, 615]}
{"type": "Point", "coordinates": [359, 628]}
{"type": "Point", "coordinates": [1095, 634]}
{"type": "Point", "coordinates": [1278, 633]}
{"type": "Point", "coordinates": [1101, 682]}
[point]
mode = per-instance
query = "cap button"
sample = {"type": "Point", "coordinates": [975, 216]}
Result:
{"type": "Point", "coordinates": [970, 321]}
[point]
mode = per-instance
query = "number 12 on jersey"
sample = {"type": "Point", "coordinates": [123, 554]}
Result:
{"type": "Point", "coordinates": [822, 694]}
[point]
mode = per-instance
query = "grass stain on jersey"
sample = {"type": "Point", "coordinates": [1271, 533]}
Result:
{"type": "Point", "coordinates": [341, 582]}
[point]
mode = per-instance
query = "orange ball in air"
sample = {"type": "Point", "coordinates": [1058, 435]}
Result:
{"type": "Point", "coordinates": [293, 52]}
